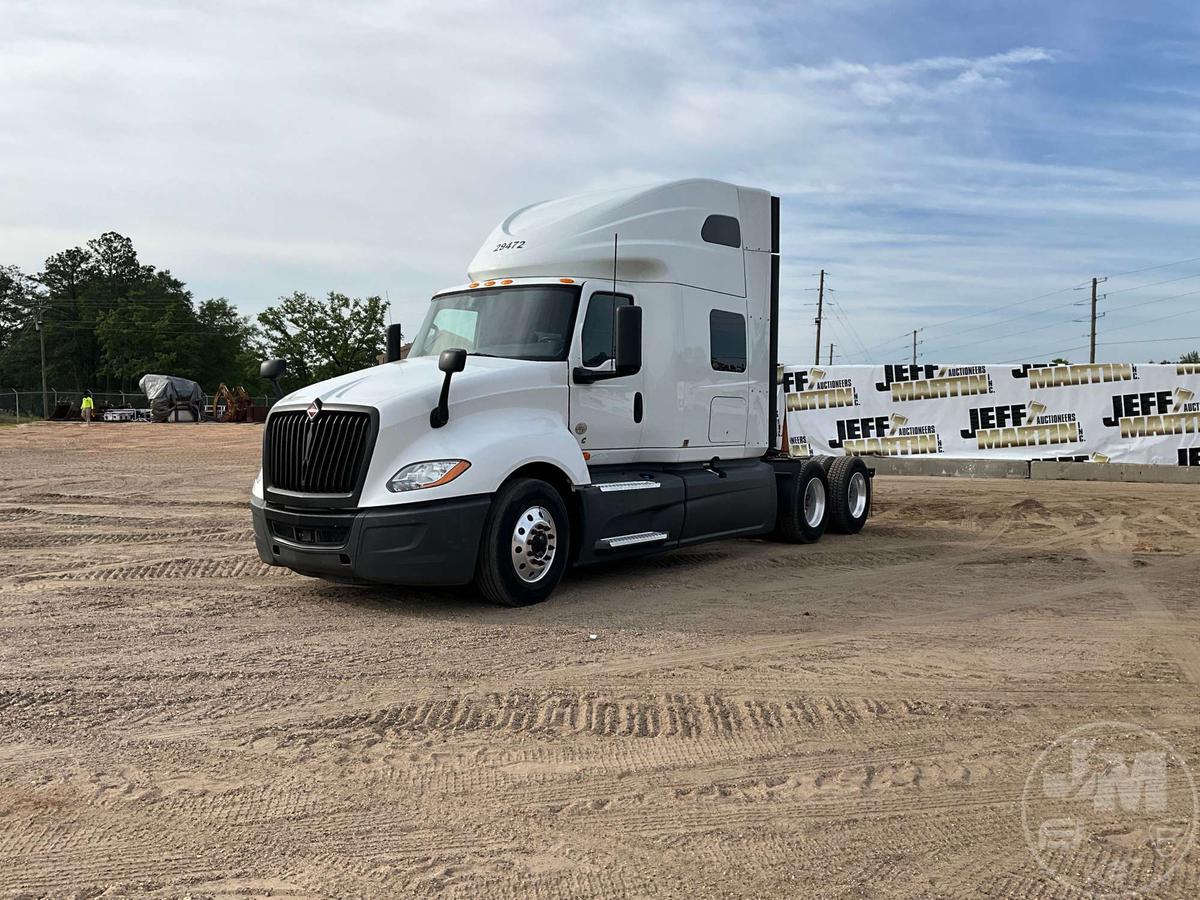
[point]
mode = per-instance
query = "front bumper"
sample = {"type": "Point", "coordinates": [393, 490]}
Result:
{"type": "Point", "coordinates": [433, 543]}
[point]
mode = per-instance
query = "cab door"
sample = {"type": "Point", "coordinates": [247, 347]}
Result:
{"type": "Point", "coordinates": [605, 414]}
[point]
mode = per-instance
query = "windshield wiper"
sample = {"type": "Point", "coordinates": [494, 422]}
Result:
{"type": "Point", "coordinates": [492, 355]}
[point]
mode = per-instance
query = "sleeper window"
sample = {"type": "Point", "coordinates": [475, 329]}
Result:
{"type": "Point", "coordinates": [727, 341]}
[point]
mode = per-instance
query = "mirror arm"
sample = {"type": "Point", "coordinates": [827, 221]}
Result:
{"type": "Point", "coordinates": [440, 414]}
{"type": "Point", "coordinates": [580, 375]}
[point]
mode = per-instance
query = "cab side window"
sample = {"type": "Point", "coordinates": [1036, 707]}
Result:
{"type": "Point", "coordinates": [599, 342]}
{"type": "Point", "coordinates": [727, 341]}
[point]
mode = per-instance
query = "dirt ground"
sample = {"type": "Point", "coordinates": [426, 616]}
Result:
{"type": "Point", "coordinates": [852, 719]}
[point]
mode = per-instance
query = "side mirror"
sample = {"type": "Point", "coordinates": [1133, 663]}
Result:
{"type": "Point", "coordinates": [628, 350]}
{"type": "Point", "coordinates": [273, 370]}
{"type": "Point", "coordinates": [629, 340]}
{"type": "Point", "coordinates": [450, 361]}
{"type": "Point", "coordinates": [395, 342]}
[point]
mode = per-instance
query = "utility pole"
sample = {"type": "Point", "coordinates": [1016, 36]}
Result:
{"type": "Point", "coordinates": [1092, 351]}
{"type": "Point", "coordinates": [41, 328]}
{"type": "Point", "coordinates": [820, 307]}
{"type": "Point", "coordinates": [914, 362]}
{"type": "Point", "coordinates": [830, 354]}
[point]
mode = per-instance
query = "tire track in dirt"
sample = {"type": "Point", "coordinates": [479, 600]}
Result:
{"type": "Point", "coordinates": [1128, 575]}
{"type": "Point", "coordinates": [680, 716]}
{"type": "Point", "coordinates": [762, 644]}
{"type": "Point", "coordinates": [240, 566]}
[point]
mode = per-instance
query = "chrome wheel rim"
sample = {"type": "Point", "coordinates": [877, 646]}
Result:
{"type": "Point", "coordinates": [534, 543]}
{"type": "Point", "coordinates": [814, 502]}
{"type": "Point", "coordinates": [856, 495]}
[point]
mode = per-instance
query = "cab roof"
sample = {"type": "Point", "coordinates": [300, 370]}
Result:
{"type": "Point", "coordinates": [688, 232]}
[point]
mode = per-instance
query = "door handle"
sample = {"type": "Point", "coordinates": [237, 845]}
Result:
{"type": "Point", "coordinates": [637, 407]}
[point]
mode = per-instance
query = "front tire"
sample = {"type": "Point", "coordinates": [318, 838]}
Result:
{"type": "Point", "coordinates": [803, 505]}
{"type": "Point", "coordinates": [526, 541]}
{"type": "Point", "coordinates": [849, 495]}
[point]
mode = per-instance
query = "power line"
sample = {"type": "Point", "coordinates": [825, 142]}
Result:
{"type": "Point", "coordinates": [1155, 300]}
{"type": "Point", "coordinates": [1006, 306]}
{"type": "Point", "coordinates": [842, 317]}
{"type": "Point", "coordinates": [993, 338]}
{"type": "Point", "coordinates": [890, 341]}
{"type": "Point", "coordinates": [1138, 287]}
{"type": "Point", "coordinates": [1055, 293]}
{"type": "Point", "coordinates": [1177, 262]}
{"type": "Point", "coordinates": [1044, 353]}
{"type": "Point", "coordinates": [1148, 321]}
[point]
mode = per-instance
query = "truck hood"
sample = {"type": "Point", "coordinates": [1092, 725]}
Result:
{"type": "Point", "coordinates": [410, 387]}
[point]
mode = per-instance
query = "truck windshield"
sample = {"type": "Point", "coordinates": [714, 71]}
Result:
{"type": "Point", "coordinates": [523, 322]}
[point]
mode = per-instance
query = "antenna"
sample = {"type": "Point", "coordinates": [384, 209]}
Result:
{"type": "Point", "coordinates": [615, 262]}
{"type": "Point", "coordinates": [614, 300]}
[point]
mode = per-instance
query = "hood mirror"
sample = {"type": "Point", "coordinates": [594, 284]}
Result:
{"type": "Point", "coordinates": [395, 343]}
{"type": "Point", "coordinates": [273, 370]}
{"type": "Point", "coordinates": [450, 361]}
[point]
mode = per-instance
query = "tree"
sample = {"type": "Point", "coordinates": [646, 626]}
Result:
{"type": "Point", "coordinates": [229, 345]}
{"type": "Point", "coordinates": [20, 300]}
{"type": "Point", "coordinates": [14, 303]}
{"type": "Point", "coordinates": [109, 319]}
{"type": "Point", "coordinates": [1192, 356]}
{"type": "Point", "coordinates": [323, 338]}
{"type": "Point", "coordinates": [1059, 361]}
{"type": "Point", "coordinates": [150, 328]}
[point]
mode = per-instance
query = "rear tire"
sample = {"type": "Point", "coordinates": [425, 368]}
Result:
{"type": "Point", "coordinates": [525, 544]}
{"type": "Point", "coordinates": [849, 495]}
{"type": "Point", "coordinates": [803, 505]}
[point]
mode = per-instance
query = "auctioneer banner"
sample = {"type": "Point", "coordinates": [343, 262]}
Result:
{"type": "Point", "coordinates": [1118, 412]}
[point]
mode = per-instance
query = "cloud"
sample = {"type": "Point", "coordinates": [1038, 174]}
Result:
{"type": "Point", "coordinates": [257, 148]}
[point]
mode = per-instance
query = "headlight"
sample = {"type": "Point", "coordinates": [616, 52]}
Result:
{"type": "Point", "coordinates": [427, 474]}
{"type": "Point", "coordinates": [257, 488]}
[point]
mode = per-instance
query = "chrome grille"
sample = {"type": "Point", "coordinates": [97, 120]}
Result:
{"type": "Point", "coordinates": [321, 456]}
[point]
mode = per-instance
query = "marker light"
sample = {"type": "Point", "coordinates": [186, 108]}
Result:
{"type": "Point", "coordinates": [506, 281]}
{"type": "Point", "coordinates": [473, 284]}
{"type": "Point", "coordinates": [488, 283]}
{"type": "Point", "coordinates": [433, 473]}
{"type": "Point", "coordinates": [567, 280]}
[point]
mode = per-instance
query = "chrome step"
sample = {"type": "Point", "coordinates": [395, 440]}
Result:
{"type": "Point", "coordinates": [627, 540]}
{"type": "Point", "coordinates": [609, 486]}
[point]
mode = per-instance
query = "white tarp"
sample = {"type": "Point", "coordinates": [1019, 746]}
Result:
{"type": "Point", "coordinates": [171, 387]}
{"type": "Point", "coordinates": [1106, 412]}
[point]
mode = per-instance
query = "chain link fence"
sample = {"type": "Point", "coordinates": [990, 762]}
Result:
{"type": "Point", "coordinates": [28, 406]}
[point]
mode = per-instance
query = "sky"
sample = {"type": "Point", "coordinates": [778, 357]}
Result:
{"type": "Point", "coordinates": [957, 167]}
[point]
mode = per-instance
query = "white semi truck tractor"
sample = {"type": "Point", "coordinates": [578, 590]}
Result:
{"type": "Point", "coordinates": [604, 386]}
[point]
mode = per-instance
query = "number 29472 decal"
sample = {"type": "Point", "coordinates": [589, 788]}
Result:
{"type": "Point", "coordinates": [509, 245]}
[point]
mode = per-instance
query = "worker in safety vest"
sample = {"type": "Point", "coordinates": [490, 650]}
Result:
{"type": "Point", "coordinates": [86, 405]}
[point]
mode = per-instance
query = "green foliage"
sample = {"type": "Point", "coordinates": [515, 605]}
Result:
{"type": "Point", "coordinates": [1059, 361]}
{"type": "Point", "coordinates": [17, 298]}
{"type": "Point", "coordinates": [323, 338]}
{"type": "Point", "coordinates": [1192, 356]}
{"type": "Point", "coordinates": [109, 319]}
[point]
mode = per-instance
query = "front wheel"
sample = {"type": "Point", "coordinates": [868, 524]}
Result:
{"type": "Point", "coordinates": [526, 542]}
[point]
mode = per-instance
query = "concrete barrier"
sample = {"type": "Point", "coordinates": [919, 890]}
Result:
{"type": "Point", "coordinates": [1131, 472]}
{"type": "Point", "coordinates": [951, 468]}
